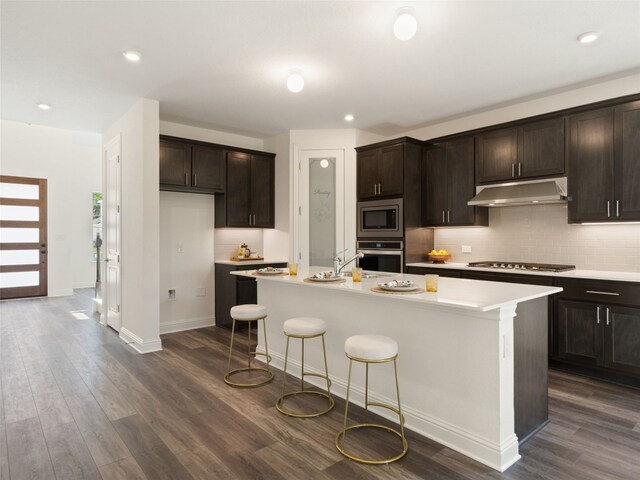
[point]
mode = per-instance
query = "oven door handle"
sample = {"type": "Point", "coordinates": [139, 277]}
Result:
{"type": "Point", "coordinates": [383, 252]}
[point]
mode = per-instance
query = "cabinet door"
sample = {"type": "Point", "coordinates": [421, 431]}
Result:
{"type": "Point", "coordinates": [541, 148]}
{"type": "Point", "coordinates": [496, 155]}
{"type": "Point", "coordinates": [580, 332]}
{"type": "Point", "coordinates": [238, 193]}
{"type": "Point", "coordinates": [434, 185]}
{"type": "Point", "coordinates": [390, 170]}
{"type": "Point", "coordinates": [460, 182]}
{"type": "Point", "coordinates": [262, 191]}
{"type": "Point", "coordinates": [208, 168]}
{"type": "Point", "coordinates": [622, 339]}
{"type": "Point", "coordinates": [590, 176]}
{"type": "Point", "coordinates": [367, 165]}
{"type": "Point", "coordinates": [627, 161]}
{"type": "Point", "coordinates": [175, 163]}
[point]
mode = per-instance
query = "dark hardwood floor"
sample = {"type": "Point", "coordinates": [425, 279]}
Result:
{"type": "Point", "coordinates": [79, 403]}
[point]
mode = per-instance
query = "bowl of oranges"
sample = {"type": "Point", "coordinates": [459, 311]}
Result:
{"type": "Point", "coordinates": [438, 256]}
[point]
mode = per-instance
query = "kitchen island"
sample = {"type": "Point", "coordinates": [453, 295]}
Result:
{"type": "Point", "coordinates": [472, 357]}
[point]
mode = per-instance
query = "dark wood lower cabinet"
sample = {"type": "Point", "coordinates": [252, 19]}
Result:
{"type": "Point", "coordinates": [580, 332]}
{"type": "Point", "coordinates": [231, 290]}
{"type": "Point", "coordinates": [622, 339]}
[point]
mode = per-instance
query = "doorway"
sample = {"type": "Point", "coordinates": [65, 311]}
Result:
{"type": "Point", "coordinates": [112, 239]}
{"type": "Point", "coordinates": [23, 237]}
{"type": "Point", "coordinates": [319, 190]}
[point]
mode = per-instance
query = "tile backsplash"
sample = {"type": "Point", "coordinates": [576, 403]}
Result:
{"type": "Point", "coordinates": [227, 241]}
{"type": "Point", "coordinates": [541, 234]}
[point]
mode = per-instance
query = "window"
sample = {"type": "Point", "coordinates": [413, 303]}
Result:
{"type": "Point", "coordinates": [97, 222]}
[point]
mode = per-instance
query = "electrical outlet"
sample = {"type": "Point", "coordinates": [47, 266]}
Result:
{"type": "Point", "coordinates": [466, 248]}
{"type": "Point", "coordinates": [201, 292]}
{"type": "Point", "coordinates": [172, 294]}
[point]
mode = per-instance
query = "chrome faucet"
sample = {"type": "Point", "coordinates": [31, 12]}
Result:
{"type": "Point", "coordinates": [337, 266]}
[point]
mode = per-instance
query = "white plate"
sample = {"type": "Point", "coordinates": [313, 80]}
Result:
{"type": "Point", "coordinates": [330, 279]}
{"type": "Point", "coordinates": [276, 271]}
{"type": "Point", "coordinates": [399, 289]}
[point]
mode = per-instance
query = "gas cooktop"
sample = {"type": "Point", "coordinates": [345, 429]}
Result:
{"type": "Point", "coordinates": [535, 267]}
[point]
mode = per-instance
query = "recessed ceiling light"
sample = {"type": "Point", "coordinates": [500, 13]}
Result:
{"type": "Point", "coordinates": [405, 26]}
{"type": "Point", "coordinates": [349, 117]}
{"type": "Point", "coordinates": [44, 106]}
{"type": "Point", "coordinates": [295, 82]}
{"type": "Point", "coordinates": [588, 37]}
{"type": "Point", "coordinates": [132, 56]}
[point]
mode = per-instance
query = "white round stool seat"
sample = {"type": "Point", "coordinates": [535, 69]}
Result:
{"type": "Point", "coordinates": [304, 326]}
{"type": "Point", "coordinates": [248, 312]}
{"type": "Point", "coordinates": [371, 347]}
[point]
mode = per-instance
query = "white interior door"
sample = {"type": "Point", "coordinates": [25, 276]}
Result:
{"type": "Point", "coordinates": [321, 226]}
{"type": "Point", "coordinates": [112, 234]}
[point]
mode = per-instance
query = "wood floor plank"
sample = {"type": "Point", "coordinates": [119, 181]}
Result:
{"type": "Point", "coordinates": [17, 399]}
{"type": "Point", "coordinates": [126, 469]}
{"type": "Point", "coordinates": [69, 454]}
{"type": "Point", "coordinates": [153, 456]}
{"type": "Point", "coordinates": [204, 465]}
{"type": "Point", "coordinates": [103, 441]}
{"type": "Point", "coordinates": [27, 451]}
{"type": "Point", "coordinates": [52, 409]}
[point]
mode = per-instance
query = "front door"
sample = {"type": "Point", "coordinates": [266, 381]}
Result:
{"type": "Point", "coordinates": [112, 234]}
{"type": "Point", "coordinates": [23, 237]}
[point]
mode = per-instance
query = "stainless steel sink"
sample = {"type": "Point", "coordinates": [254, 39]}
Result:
{"type": "Point", "coordinates": [369, 274]}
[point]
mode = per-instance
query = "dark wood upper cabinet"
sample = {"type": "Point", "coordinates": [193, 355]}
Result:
{"type": "Point", "coordinates": [380, 171]}
{"type": "Point", "coordinates": [175, 163]}
{"type": "Point", "coordinates": [192, 167]}
{"type": "Point", "coordinates": [627, 161]}
{"type": "Point", "coordinates": [604, 164]}
{"type": "Point", "coordinates": [448, 184]}
{"type": "Point", "coordinates": [496, 155]}
{"type": "Point", "coordinates": [249, 199]}
{"type": "Point", "coordinates": [532, 150]}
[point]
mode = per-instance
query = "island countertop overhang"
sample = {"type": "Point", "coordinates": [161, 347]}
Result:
{"type": "Point", "coordinates": [476, 295]}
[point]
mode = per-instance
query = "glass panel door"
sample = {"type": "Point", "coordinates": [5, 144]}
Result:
{"type": "Point", "coordinates": [23, 237]}
{"type": "Point", "coordinates": [322, 211]}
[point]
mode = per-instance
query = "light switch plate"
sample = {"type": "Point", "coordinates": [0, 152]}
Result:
{"type": "Point", "coordinates": [466, 248]}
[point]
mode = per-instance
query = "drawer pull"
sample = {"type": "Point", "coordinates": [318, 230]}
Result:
{"type": "Point", "coordinates": [613, 294]}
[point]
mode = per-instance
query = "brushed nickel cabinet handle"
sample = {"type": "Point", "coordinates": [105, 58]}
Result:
{"type": "Point", "coordinates": [598, 315]}
{"type": "Point", "coordinates": [617, 208]}
{"type": "Point", "coordinates": [597, 292]}
{"type": "Point", "coordinates": [513, 170]}
{"type": "Point", "coordinates": [448, 216]}
{"type": "Point", "coordinates": [442, 216]}
{"type": "Point", "coordinates": [249, 219]}
{"type": "Point", "coordinates": [375, 188]}
{"type": "Point", "coordinates": [608, 209]}
{"type": "Point", "coordinates": [186, 178]}
{"type": "Point", "coordinates": [254, 218]}
{"type": "Point", "coordinates": [607, 316]}
{"type": "Point", "coordinates": [195, 179]}
{"type": "Point", "coordinates": [379, 189]}
{"type": "Point", "coordinates": [519, 169]}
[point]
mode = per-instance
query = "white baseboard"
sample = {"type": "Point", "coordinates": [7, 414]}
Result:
{"type": "Point", "coordinates": [186, 324]}
{"type": "Point", "coordinates": [63, 292]}
{"type": "Point", "coordinates": [84, 285]}
{"type": "Point", "coordinates": [497, 456]}
{"type": "Point", "coordinates": [138, 344]}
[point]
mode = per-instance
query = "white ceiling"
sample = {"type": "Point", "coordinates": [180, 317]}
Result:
{"type": "Point", "coordinates": [224, 64]}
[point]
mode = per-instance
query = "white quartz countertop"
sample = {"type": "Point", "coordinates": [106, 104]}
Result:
{"type": "Point", "coordinates": [249, 262]}
{"type": "Point", "coordinates": [587, 274]}
{"type": "Point", "coordinates": [475, 295]}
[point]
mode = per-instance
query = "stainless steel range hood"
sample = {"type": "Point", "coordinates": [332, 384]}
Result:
{"type": "Point", "coordinates": [521, 193]}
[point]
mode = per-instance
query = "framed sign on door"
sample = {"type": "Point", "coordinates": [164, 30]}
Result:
{"type": "Point", "coordinates": [23, 237]}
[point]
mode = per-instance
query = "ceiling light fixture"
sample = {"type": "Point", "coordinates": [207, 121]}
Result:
{"type": "Point", "coordinates": [132, 56]}
{"type": "Point", "coordinates": [44, 106]}
{"type": "Point", "coordinates": [349, 118]}
{"type": "Point", "coordinates": [406, 25]}
{"type": "Point", "coordinates": [588, 37]}
{"type": "Point", "coordinates": [324, 163]}
{"type": "Point", "coordinates": [295, 82]}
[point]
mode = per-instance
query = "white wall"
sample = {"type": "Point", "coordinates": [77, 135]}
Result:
{"type": "Point", "coordinates": [540, 234]}
{"type": "Point", "coordinates": [276, 240]}
{"type": "Point", "coordinates": [70, 161]}
{"type": "Point", "coordinates": [140, 198]}
{"type": "Point", "coordinates": [209, 135]}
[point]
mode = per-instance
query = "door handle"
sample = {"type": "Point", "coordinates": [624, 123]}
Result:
{"type": "Point", "coordinates": [598, 315]}
{"type": "Point", "coordinates": [107, 260]}
{"type": "Point", "coordinates": [607, 316]}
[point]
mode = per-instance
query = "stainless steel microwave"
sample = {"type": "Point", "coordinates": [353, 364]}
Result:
{"type": "Point", "coordinates": [380, 219]}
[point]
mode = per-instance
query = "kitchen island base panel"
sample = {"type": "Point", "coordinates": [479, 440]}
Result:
{"type": "Point", "coordinates": [456, 365]}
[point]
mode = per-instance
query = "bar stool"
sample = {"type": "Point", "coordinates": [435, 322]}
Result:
{"type": "Point", "coordinates": [371, 349]}
{"type": "Point", "coordinates": [305, 328]}
{"type": "Point", "coordinates": [248, 313]}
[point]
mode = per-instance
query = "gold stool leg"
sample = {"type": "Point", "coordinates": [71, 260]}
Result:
{"type": "Point", "coordinates": [280, 402]}
{"type": "Point", "coordinates": [250, 353]}
{"type": "Point", "coordinates": [341, 436]}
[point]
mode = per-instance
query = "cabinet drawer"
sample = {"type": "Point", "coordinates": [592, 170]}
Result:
{"type": "Point", "coordinates": [443, 272]}
{"type": "Point", "coordinates": [600, 291]}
